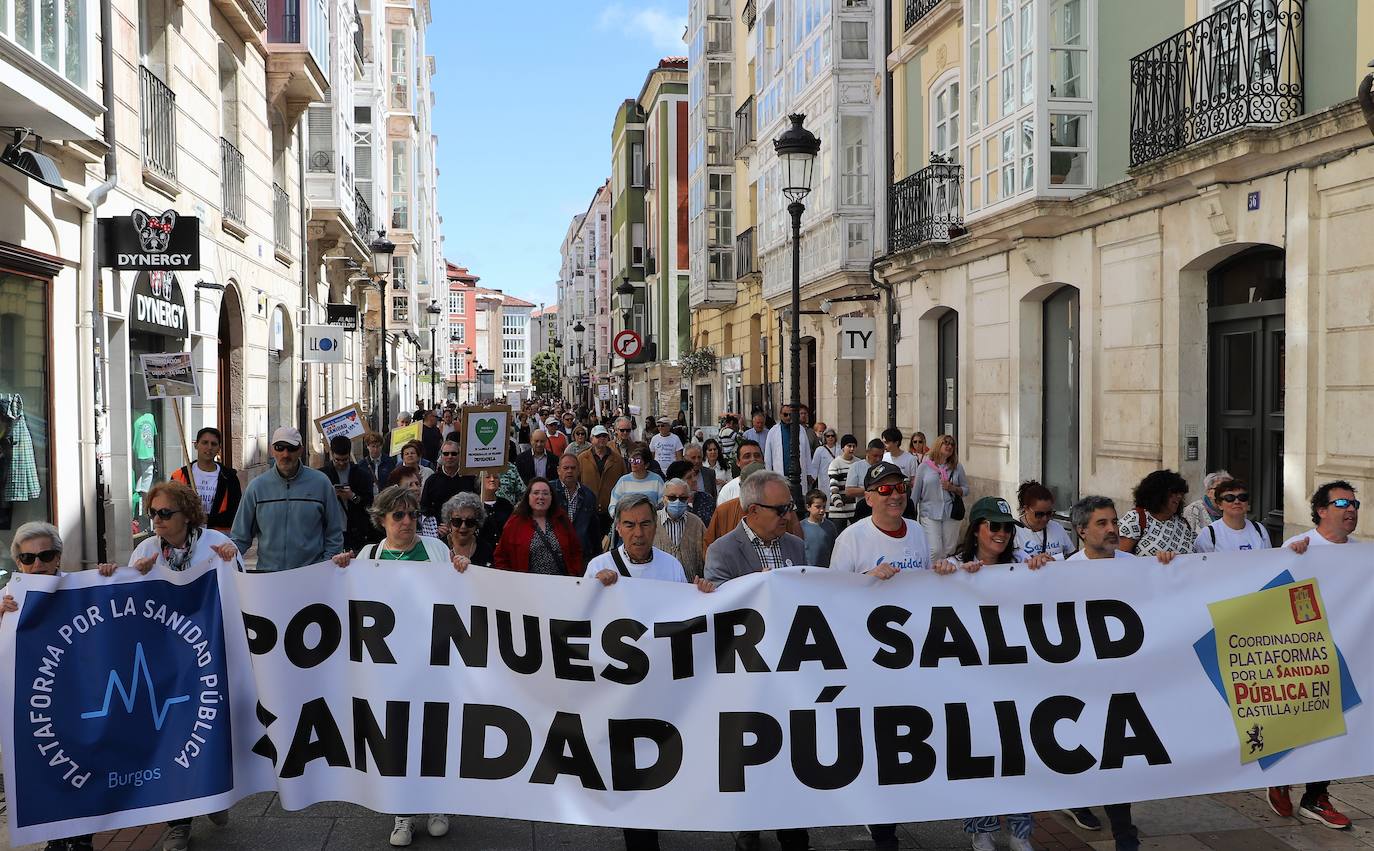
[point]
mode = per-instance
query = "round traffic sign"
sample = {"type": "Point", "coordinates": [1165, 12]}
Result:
{"type": "Point", "coordinates": [627, 344]}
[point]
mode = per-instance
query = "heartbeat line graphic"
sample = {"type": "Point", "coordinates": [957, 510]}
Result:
{"type": "Point", "coordinates": [129, 695]}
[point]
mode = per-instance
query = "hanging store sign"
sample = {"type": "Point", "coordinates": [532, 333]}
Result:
{"type": "Point", "coordinates": [157, 306]}
{"type": "Point", "coordinates": [323, 344]}
{"type": "Point", "coordinates": [344, 316]}
{"type": "Point", "coordinates": [858, 338]}
{"type": "Point", "coordinates": [147, 242]}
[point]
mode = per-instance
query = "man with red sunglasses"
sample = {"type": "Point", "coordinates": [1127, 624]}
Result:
{"type": "Point", "coordinates": [885, 542]}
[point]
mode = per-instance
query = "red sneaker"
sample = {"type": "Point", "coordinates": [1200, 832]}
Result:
{"type": "Point", "coordinates": [1322, 811]}
{"type": "Point", "coordinates": [1279, 802]}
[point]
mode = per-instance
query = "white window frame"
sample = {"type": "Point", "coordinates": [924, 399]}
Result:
{"type": "Point", "coordinates": [952, 77]}
{"type": "Point", "coordinates": [856, 175]}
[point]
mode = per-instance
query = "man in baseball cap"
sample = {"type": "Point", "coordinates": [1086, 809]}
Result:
{"type": "Point", "coordinates": [290, 510]}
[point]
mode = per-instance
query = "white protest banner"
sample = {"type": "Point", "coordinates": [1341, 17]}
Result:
{"type": "Point", "coordinates": [346, 421]}
{"type": "Point", "coordinates": [168, 376]}
{"type": "Point", "coordinates": [799, 697]}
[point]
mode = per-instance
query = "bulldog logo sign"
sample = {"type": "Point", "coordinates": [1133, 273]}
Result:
{"type": "Point", "coordinates": [143, 241]}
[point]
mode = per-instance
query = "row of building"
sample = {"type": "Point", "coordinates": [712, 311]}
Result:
{"type": "Point", "coordinates": [1093, 238]}
{"type": "Point", "coordinates": [274, 139]}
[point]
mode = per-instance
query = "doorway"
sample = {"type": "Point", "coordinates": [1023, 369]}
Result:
{"type": "Point", "coordinates": [947, 374]}
{"type": "Point", "coordinates": [1245, 377]}
{"type": "Point", "coordinates": [1060, 406]}
{"type": "Point", "coordinates": [229, 364]}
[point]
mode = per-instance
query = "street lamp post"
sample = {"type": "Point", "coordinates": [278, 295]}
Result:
{"type": "Point", "coordinates": [625, 297]}
{"type": "Point", "coordinates": [796, 149]}
{"type": "Point", "coordinates": [433, 310]}
{"type": "Point", "coordinates": [557, 344]}
{"type": "Point", "coordinates": [382, 249]}
{"type": "Point", "coordinates": [580, 330]}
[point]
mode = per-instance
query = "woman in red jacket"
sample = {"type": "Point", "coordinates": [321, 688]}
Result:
{"type": "Point", "coordinates": [539, 537]}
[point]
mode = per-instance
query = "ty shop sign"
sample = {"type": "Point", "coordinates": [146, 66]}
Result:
{"type": "Point", "coordinates": [324, 344]}
{"type": "Point", "coordinates": [151, 242]}
{"type": "Point", "coordinates": [858, 338]}
{"type": "Point", "coordinates": [157, 306]}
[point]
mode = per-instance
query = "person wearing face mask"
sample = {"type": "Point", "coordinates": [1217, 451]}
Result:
{"type": "Point", "coordinates": [681, 533]}
{"type": "Point", "coordinates": [1037, 532]}
{"type": "Point", "coordinates": [1156, 525]}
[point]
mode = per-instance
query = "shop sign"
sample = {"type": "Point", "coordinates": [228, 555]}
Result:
{"type": "Point", "coordinates": [858, 338]}
{"type": "Point", "coordinates": [147, 242]}
{"type": "Point", "coordinates": [323, 344]}
{"type": "Point", "coordinates": [732, 364]}
{"type": "Point", "coordinates": [157, 306]}
{"type": "Point", "coordinates": [344, 316]}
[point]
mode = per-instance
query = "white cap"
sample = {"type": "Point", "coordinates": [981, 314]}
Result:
{"type": "Point", "coordinates": [287, 434]}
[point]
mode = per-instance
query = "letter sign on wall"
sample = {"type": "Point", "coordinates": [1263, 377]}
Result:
{"type": "Point", "coordinates": [323, 344]}
{"type": "Point", "coordinates": [858, 338]}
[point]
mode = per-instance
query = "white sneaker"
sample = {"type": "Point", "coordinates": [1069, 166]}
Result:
{"type": "Point", "coordinates": [402, 833]}
{"type": "Point", "coordinates": [1021, 845]}
{"type": "Point", "coordinates": [983, 842]}
{"type": "Point", "coordinates": [438, 824]}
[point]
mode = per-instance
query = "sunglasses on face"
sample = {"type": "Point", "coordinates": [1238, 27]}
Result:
{"type": "Point", "coordinates": [889, 490]}
{"type": "Point", "coordinates": [449, 454]}
{"type": "Point", "coordinates": [636, 460]}
{"type": "Point", "coordinates": [46, 557]}
{"type": "Point", "coordinates": [994, 526]}
{"type": "Point", "coordinates": [467, 522]}
{"type": "Point", "coordinates": [1235, 497]}
{"type": "Point", "coordinates": [623, 430]}
{"type": "Point", "coordinates": [284, 447]}
{"type": "Point", "coordinates": [401, 515]}
{"type": "Point", "coordinates": [164, 513]}
{"type": "Point", "coordinates": [1344, 503]}
{"type": "Point", "coordinates": [675, 498]}
{"type": "Point", "coordinates": [779, 510]}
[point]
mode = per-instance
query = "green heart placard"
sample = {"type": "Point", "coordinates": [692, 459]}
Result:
{"type": "Point", "coordinates": [486, 430]}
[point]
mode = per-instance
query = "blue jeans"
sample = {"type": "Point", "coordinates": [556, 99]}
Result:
{"type": "Point", "coordinates": [1019, 824]}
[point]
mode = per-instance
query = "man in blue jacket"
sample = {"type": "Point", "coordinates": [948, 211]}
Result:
{"type": "Point", "coordinates": [291, 511]}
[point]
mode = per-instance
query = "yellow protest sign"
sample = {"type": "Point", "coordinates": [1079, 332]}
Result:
{"type": "Point", "coordinates": [1278, 666]}
{"type": "Point", "coordinates": [401, 436]}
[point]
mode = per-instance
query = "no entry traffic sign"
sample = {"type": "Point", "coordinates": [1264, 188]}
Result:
{"type": "Point", "coordinates": [627, 344]}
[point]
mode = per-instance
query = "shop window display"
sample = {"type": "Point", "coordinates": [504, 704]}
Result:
{"type": "Point", "coordinates": [24, 471]}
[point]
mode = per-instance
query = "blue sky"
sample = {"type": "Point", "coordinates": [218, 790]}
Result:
{"type": "Point", "coordinates": [525, 95]}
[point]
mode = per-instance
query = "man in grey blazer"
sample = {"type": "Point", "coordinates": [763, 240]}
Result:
{"type": "Point", "coordinates": [760, 542]}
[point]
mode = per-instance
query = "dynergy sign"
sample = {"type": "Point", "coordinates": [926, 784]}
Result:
{"type": "Point", "coordinates": [157, 306]}
{"type": "Point", "coordinates": [144, 241]}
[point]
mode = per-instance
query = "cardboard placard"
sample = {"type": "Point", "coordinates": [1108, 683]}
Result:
{"type": "Point", "coordinates": [403, 435]}
{"type": "Point", "coordinates": [485, 438]}
{"type": "Point", "coordinates": [347, 421]}
{"type": "Point", "coordinates": [169, 376]}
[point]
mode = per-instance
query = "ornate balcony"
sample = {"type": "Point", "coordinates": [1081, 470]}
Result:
{"type": "Point", "coordinates": [364, 217]}
{"type": "Point", "coordinates": [158, 112]}
{"type": "Point", "coordinates": [281, 220]}
{"type": "Point", "coordinates": [297, 54]}
{"type": "Point", "coordinates": [926, 207]}
{"type": "Point", "coordinates": [751, 14]}
{"type": "Point", "coordinates": [1239, 66]}
{"type": "Point", "coordinates": [918, 9]}
{"type": "Point", "coordinates": [746, 256]}
{"type": "Point", "coordinates": [231, 181]}
{"type": "Point", "coordinates": [745, 129]}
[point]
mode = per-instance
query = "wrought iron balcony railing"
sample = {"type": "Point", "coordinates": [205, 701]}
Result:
{"type": "Point", "coordinates": [363, 216]}
{"type": "Point", "coordinates": [1240, 65]}
{"type": "Point", "coordinates": [927, 206]}
{"type": "Point", "coordinates": [261, 6]}
{"type": "Point", "coordinates": [751, 14]}
{"type": "Point", "coordinates": [745, 128]}
{"type": "Point", "coordinates": [281, 219]}
{"type": "Point", "coordinates": [231, 182]}
{"type": "Point", "coordinates": [746, 255]}
{"type": "Point", "coordinates": [918, 9]}
{"type": "Point", "coordinates": [158, 109]}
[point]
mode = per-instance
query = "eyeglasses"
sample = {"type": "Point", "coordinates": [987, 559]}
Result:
{"type": "Point", "coordinates": [623, 430]}
{"type": "Point", "coordinates": [470, 522]}
{"type": "Point", "coordinates": [636, 460]}
{"type": "Point", "coordinates": [675, 498]}
{"type": "Point", "coordinates": [999, 526]}
{"type": "Point", "coordinates": [282, 446]}
{"type": "Point", "coordinates": [449, 454]}
{"type": "Point", "coordinates": [401, 515]}
{"type": "Point", "coordinates": [1241, 497]}
{"type": "Point", "coordinates": [46, 556]}
{"type": "Point", "coordinates": [164, 513]}
{"type": "Point", "coordinates": [1343, 502]}
{"type": "Point", "coordinates": [779, 510]}
{"type": "Point", "coordinates": [889, 490]}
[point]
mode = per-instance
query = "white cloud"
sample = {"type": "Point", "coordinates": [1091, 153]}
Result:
{"type": "Point", "coordinates": [660, 28]}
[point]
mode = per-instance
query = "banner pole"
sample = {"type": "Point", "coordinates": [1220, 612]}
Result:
{"type": "Point", "coordinates": [181, 430]}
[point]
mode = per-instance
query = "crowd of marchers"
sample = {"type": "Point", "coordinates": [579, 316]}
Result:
{"type": "Point", "coordinates": [610, 498]}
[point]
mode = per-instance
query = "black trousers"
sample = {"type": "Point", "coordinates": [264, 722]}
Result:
{"type": "Point", "coordinates": [1119, 816]}
{"type": "Point", "coordinates": [641, 840]}
{"type": "Point", "coordinates": [794, 839]}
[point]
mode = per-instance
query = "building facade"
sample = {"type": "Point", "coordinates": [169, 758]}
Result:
{"type": "Point", "coordinates": [462, 312]}
{"type": "Point", "coordinates": [1095, 285]}
{"type": "Point", "coordinates": [584, 298]}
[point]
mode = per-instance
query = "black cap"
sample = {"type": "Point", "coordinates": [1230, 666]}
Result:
{"type": "Point", "coordinates": [882, 470]}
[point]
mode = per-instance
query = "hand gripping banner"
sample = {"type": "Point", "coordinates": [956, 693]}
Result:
{"type": "Point", "coordinates": [794, 698]}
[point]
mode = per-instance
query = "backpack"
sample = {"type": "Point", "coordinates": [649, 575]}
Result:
{"type": "Point", "coordinates": [1212, 533]}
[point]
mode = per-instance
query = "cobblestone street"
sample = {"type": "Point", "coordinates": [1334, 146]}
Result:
{"type": "Point", "coordinates": [1236, 821]}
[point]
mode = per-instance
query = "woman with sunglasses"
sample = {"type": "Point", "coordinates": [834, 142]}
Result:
{"type": "Point", "coordinates": [180, 539]}
{"type": "Point", "coordinates": [1156, 524]}
{"type": "Point", "coordinates": [539, 537]}
{"type": "Point", "coordinates": [640, 479]}
{"type": "Point", "coordinates": [1038, 534]}
{"type": "Point", "coordinates": [1234, 531]}
{"type": "Point", "coordinates": [465, 515]}
{"type": "Point", "coordinates": [410, 479]}
{"type": "Point", "coordinates": [579, 442]}
{"type": "Point", "coordinates": [917, 447]}
{"type": "Point", "coordinates": [939, 479]}
{"type": "Point", "coordinates": [37, 550]}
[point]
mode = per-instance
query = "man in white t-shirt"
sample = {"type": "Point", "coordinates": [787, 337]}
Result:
{"type": "Point", "coordinates": [666, 446]}
{"type": "Point", "coordinates": [885, 542]}
{"type": "Point", "coordinates": [894, 454]}
{"type": "Point", "coordinates": [749, 453]}
{"type": "Point", "coordinates": [1233, 531]}
{"type": "Point", "coordinates": [1336, 512]}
